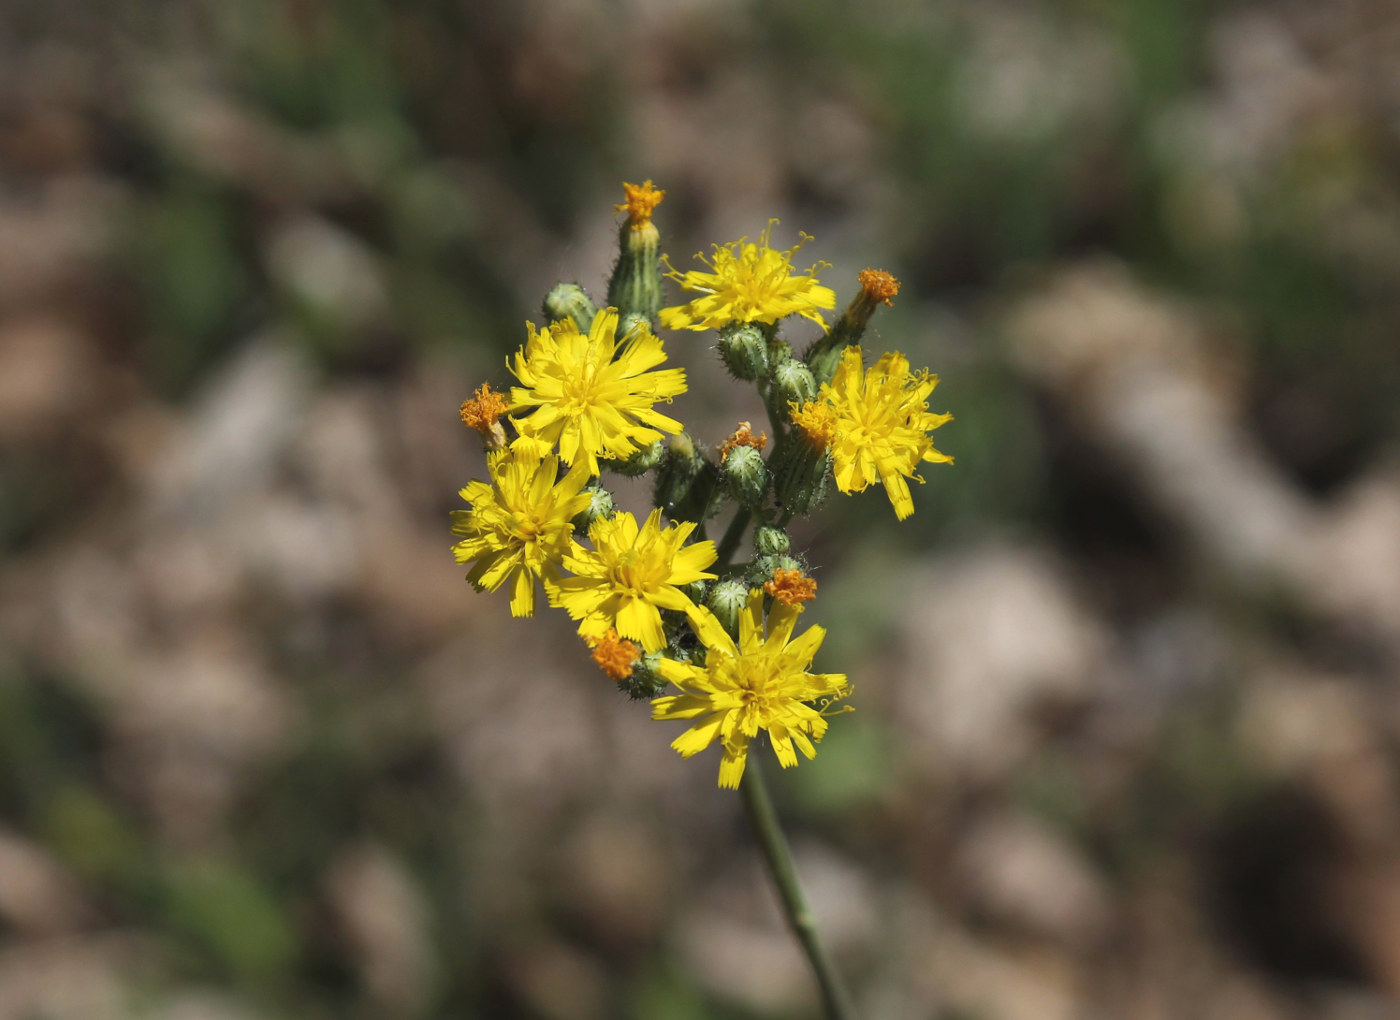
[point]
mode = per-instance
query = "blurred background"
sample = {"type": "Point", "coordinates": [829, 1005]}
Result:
{"type": "Point", "coordinates": [1126, 683]}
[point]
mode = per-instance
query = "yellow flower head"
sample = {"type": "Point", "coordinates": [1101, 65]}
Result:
{"type": "Point", "coordinates": [758, 683]}
{"type": "Point", "coordinates": [748, 282]}
{"type": "Point", "coordinates": [882, 425]}
{"type": "Point", "coordinates": [642, 199]}
{"type": "Point", "coordinates": [816, 420]}
{"type": "Point", "coordinates": [518, 528]}
{"type": "Point", "coordinates": [590, 395]}
{"type": "Point", "coordinates": [630, 575]}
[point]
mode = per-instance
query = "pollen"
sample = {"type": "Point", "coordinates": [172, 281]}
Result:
{"type": "Point", "coordinates": [483, 413]}
{"type": "Point", "coordinates": [615, 655]}
{"type": "Point", "coordinates": [743, 436]}
{"type": "Point", "coordinates": [817, 422]}
{"type": "Point", "coordinates": [791, 587]}
{"type": "Point", "coordinates": [877, 285]}
{"type": "Point", "coordinates": [641, 200]}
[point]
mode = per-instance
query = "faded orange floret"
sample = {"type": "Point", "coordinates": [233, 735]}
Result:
{"type": "Point", "coordinates": [791, 587]}
{"type": "Point", "coordinates": [878, 285]}
{"type": "Point", "coordinates": [483, 412]}
{"type": "Point", "coordinates": [615, 655]}
{"type": "Point", "coordinates": [743, 436]}
{"type": "Point", "coordinates": [641, 200]}
{"type": "Point", "coordinates": [816, 420]}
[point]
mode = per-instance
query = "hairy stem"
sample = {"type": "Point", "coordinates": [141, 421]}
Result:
{"type": "Point", "coordinates": [731, 538]}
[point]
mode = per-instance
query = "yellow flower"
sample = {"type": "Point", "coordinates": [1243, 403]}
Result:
{"type": "Point", "coordinates": [518, 528]}
{"type": "Point", "coordinates": [748, 282]}
{"type": "Point", "coordinates": [630, 575]}
{"type": "Point", "coordinates": [816, 420]}
{"type": "Point", "coordinates": [590, 395]}
{"type": "Point", "coordinates": [879, 427]}
{"type": "Point", "coordinates": [755, 684]}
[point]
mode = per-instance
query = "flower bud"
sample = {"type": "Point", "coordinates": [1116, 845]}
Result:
{"type": "Point", "coordinates": [727, 601]}
{"type": "Point", "coordinates": [763, 568]}
{"type": "Point", "coordinates": [635, 286]}
{"type": "Point", "coordinates": [644, 682]}
{"type": "Point", "coordinates": [570, 301]}
{"type": "Point", "coordinates": [876, 288]}
{"type": "Point", "coordinates": [640, 462]}
{"type": "Point", "coordinates": [770, 541]}
{"type": "Point", "coordinates": [631, 322]}
{"type": "Point", "coordinates": [793, 382]}
{"type": "Point", "coordinates": [687, 485]}
{"type": "Point", "coordinates": [600, 505]}
{"type": "Point", "coordinates": [744, 351]}
{"type": "Point", "coordinates": [800, 468]}
{"type": "Point", "coordinates": [746, 475]}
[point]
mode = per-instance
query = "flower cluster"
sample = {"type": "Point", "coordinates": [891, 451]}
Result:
{"type": "Point", "coordinates": [656, 601]}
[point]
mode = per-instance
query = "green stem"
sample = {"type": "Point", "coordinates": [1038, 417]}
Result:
{"type": "Point", "coordinates": [730, 541]}
{"type": "Point", "coordinates": [764, 820]}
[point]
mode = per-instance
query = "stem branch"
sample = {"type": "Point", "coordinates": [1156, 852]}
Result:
{"type": "Point", "coordinates": [730, 541]}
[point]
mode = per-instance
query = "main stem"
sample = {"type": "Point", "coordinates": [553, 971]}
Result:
{"type": "Point", "coordinates": [759, 807]}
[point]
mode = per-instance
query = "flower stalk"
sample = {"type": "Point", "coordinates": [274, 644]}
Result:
{"type": "Point", "coordinates": [758, 805]}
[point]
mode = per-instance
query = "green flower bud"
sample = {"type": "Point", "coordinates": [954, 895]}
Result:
{"type": "Point", "coordinates": [687, 485]}
{"type": "Point", "coordinates": [770, 541]}
{"type": "Point", "coordinates": [794, 383]}
{"type": "Point", "coordinates": [727, 600]}
{"type": "Point", "coordinates": [630, 323]}
{"type": "Point", "coordinates": [600, 505]}
{"type": "Point", "coordinates": [876, 288]}
{"type": "Point", "coordinates": [823, 359]}
{"type": "Point", "coordinates": [800, 469]}
{"type": "Point", "coordinates": [640, 462]}
{"type": "Point", "coordinates": [695, 591]}
{"type": "Point", "coordinates": [765, 567]}
{"type": "Point", "coordinates": [635, 287]}
{"type": "Point", "coordinates": [744, 351]}
{"type": "Point", "coordinates": [746, 475]}
{"type": "Point", "coordinates": [570, 301]}
{"type": "Point", "coordinates": [645, 682]}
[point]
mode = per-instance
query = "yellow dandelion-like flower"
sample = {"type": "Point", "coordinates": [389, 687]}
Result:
{"type": "Point", "coordinates": [592, 396]}
{"type": "Point", "coordinates": [518, 528]}
{"type": "Point", "coordinates": [631, 574]}
{"type": "Point", "coordinates": [756, 683]}
{"type": "Point", "coordinates": [748, 282]}
{"type": "Point", "coordinates": [816, 420]}
{"type": "Point", "coordinates": [880, 425]}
